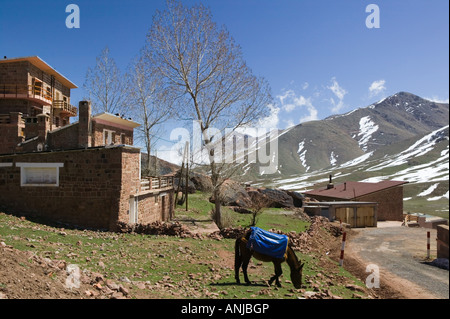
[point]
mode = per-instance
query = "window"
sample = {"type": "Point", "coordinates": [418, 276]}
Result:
{"type": "Point", "coordinates": [39, 174]}
{"type": "Point", "coordinates": [108, 137]}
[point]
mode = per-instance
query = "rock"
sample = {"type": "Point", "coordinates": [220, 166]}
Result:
{"type": "Point", "coordinates": [354, 287]}
{"type": "Point", "coordinates": [202, 182]}
{"type": "Point", "coordinates": [296, 197]}
{"type": "Point", "coordinates": [124, 290]}
{"type": "Point", "coordinates": [112, 285]}
{"type": "Point", "coordinates": [309, 294]}
{"type": "Point", "coordinates": [231, 193]}
{"type": "Point", "coordinates": [278, 198]}
{"type": "Point", "coordinates": [191, 185]}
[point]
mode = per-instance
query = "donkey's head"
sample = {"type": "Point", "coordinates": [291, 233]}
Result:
{"type": "Point", "coordinates": [296, 275]}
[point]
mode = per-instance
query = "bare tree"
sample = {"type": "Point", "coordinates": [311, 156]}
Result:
{"type": "Point", "coordinates": [203, 70]}
{"type": "Point", "coordinates": [105, 85]}
{"type": "Point", "coordinates": [150, 106]}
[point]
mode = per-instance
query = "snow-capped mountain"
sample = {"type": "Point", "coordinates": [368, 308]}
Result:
{"type": "Point", "coordinates": [402, 137]}
{"type": "Point", "coordinates": [359, 135]}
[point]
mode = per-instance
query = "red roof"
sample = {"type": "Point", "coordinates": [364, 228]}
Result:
{"type": "Point", "coordinates": [350, 190]}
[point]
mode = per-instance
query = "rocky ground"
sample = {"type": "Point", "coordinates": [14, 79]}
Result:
{"type": "Point", "coordinates": [25, 274]}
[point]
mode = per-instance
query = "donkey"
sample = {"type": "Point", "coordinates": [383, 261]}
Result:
{"type": "Point", "coordinates": [243, 255]}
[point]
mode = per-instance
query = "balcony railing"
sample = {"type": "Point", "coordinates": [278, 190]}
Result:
{"type": "Point", "coordinates": [65, 107]}
{"type": "Point", "coordinates": [25, 91]}
{"type": "Point", "coordinates": [154, 183]}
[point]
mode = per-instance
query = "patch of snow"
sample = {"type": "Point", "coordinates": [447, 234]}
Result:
{"type": "Point", "coordinates": [406, 198]}
{"type": "Point", "coordinates": [366, 128]}
{"type": "Point", "coordinates": [429, 190]}
{"type": "Point", "coordinates": [333, 158]}
{"type": "Point", "coordinates": [357, 160]}
{"type": "Point", "coordinates": [302, 154]}
{"type": "Point", "coordinates": [419, 148]}
{"type": "Point", "coordinates": [438, 197]}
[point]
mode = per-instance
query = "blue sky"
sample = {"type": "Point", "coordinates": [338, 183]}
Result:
{"type": "Point", "coordinates": [318, 56]}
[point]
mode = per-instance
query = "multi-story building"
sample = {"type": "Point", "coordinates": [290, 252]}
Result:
{"type": "Point", "coordinates": [29, 87]}
{"type": "Point", "coordinates": [85, 173]}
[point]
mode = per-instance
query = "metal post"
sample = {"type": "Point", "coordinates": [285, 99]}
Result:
{"type": "Point", "coordinates": [341, 260]}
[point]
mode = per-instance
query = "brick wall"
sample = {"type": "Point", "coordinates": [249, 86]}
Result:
{"type": "Point", "coordinates": [14, 73]}
{"type": "Point", "coordinates": [89, 192]}
{"type": "Point", "coordinates": [118, 135]}
{"type": "Point", "coordinates": [11, 133]}
{"type": "Point", "coordinates": [155, 206]}
{"type": "Point", "coordinates": [94, 191]}
{"type": "Point", "coordinates": [442, 241]}
{"type": "Point", "coordinates": [390, 203]}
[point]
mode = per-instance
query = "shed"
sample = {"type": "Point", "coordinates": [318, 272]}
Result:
{"type": "Point", "coordinates": [388, 195]}
{"type": "Point", "coordinates": [356, 214]}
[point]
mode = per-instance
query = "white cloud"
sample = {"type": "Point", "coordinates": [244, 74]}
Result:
{"type": "Point", "coordinates": [337, 89]}
{"type": "Point", "coordinates": [339, 92]}
{"type": "Point", "coordinates": [290, 101]}
{"type": "Point", "coordinates": [437, 99]}
{"type": "Point", "coordinates": [312, 116]}
{"type": "Point", "coordinates": [377, 87]}
{"type": "Point", "coordinates": [272, 120]}
{"type": "Point", "coordinates": [305, 85]}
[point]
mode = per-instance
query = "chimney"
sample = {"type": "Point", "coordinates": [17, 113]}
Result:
{"type": "Point", "coordinates": [345, 186]}
{"type": "Point", "coordinates": [43, 127]}
{"type": "Point", "coordinates": [330, 184]}
{"type": "Point", "coordinates": [84, 124]}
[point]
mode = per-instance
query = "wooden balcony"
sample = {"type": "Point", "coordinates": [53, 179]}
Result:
{"type": "Point", "coordinates": [156, 183]}
{"type": "Point", "coordinates": [64, 107]}
{"type": "Point", "coordinates": [23, 91]}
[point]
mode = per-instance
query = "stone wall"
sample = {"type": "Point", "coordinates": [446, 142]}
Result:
{"type": "Point", "coordinates": [390, 203]}
{"type": "Point", "coordinates": [93, 192]}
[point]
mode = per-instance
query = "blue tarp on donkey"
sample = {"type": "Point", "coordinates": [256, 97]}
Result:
{"type": "Point", "coordinates": [267, 243]}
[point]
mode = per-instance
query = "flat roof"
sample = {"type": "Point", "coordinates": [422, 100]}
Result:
{"type": "Point", "coordinates": [349, 190]}
{"type": "Point", "coordinates": [116, 119]}
{"type": "Point", "coordinates": [44, 66]}
{"type": "Point", "coordinates": [340, 203]}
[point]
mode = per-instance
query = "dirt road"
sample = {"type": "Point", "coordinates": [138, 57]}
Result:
{"type": "Point", "coordinates": [400, 253]}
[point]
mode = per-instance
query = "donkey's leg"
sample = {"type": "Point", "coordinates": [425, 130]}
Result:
{"type": "Point", "coordinates": [278, 273]}
{"type": "Point", "coordinates": [245, 261]}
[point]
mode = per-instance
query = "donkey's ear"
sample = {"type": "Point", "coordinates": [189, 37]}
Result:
{"type": "Point", "coordinates": [301, 265]}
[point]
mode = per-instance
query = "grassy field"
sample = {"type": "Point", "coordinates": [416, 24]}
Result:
{"type": "Point", "coordinates": [173, 267]}
{"type": "Point", "coordinates": [199, 210]}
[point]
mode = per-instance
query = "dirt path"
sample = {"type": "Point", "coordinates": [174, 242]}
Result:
{"type": "Point", "coordinates": [400, 253]}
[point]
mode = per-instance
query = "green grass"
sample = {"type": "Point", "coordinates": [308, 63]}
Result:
{"type": "Point", "coordinates": [199, 209]}
{"type": "Point", "coordinates": [174, 267]}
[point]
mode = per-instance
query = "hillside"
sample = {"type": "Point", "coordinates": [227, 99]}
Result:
{"type": "Point", "coordinates": [402, 137]}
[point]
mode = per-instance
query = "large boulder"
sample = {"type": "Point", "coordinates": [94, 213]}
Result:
{"type": "Point", "coordinates": [297, 197]}
{"type": "Point", "coordinates": [202, 182]}
{"type": "Point", "coordinates": [277, 198]}
{"type": "Point", "coordinates": [231, 193]}
{"type": "Point", "coordinates": [182, 187]}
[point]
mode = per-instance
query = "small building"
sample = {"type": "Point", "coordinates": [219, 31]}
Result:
{"type": "Point", "coordinates": [388, 195]}
{"type": "Point", "coordinates": [355, 214]}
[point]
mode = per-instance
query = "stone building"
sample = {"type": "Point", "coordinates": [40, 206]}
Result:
{"type": "Point", "coordinates": [388, 195]}
{"type": "Point", "coordinates": [85, 173]}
